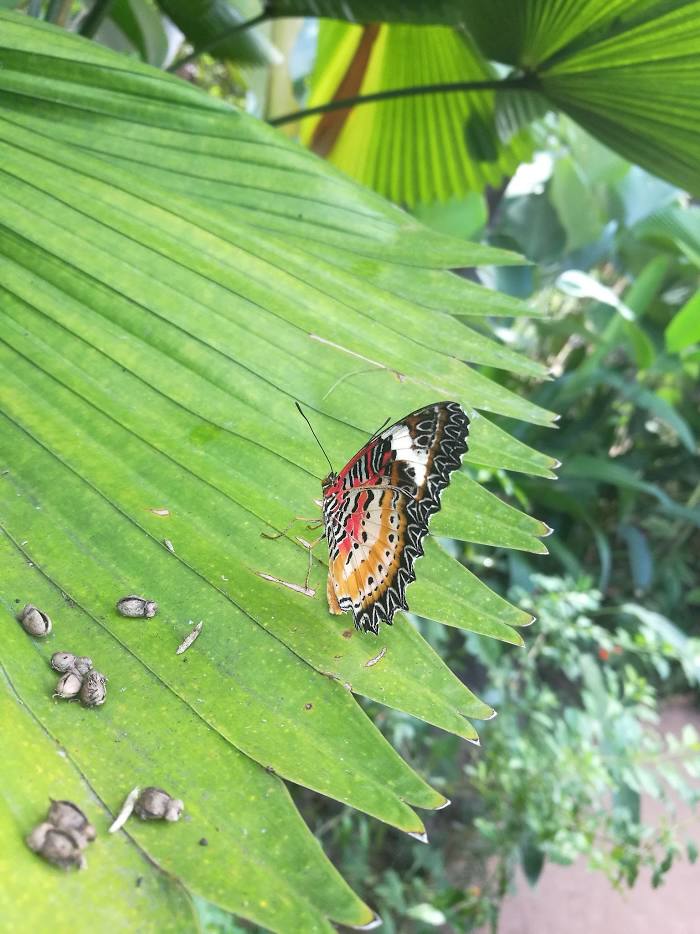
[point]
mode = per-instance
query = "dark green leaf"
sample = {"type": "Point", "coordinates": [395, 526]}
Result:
{"type": "Point", "coordinates": [445, 12]}
{"type": "Point", "coordinates": [677, 225]}
{"type": "Point", "coordinates": [142, 24]}
{"type": "Point", "coordinates": [608, 471]}
{"type": "Point", "coordinates": [203, 21]}
{"type": "Point", "coordinates": [640, 558]}
{"type": "Point", "coordinates": [629, 799]}
{"type": "Point", "coordinates": [534, 224]}
{"type": "Point", "coordinates": [655, 406]}
{"type": "Point", "coordinates": [627, 72]}
{"type": "Point", "coordinates": [532, 861]}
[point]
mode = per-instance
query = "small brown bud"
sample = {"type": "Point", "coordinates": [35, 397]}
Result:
{"type": "Point", "coordinates": [69, 685]}
{"type": "Point", "coordinates": [83, 664]}
{"type": "Point", "coordinates": [63, 848]}
{"type": "Point", "coordinates": [35, 621]}
{"type": "Point", "coordinates": [94, 689]}
{"type": "Point", "coordinates": [63, 661]}
{"type": "Point", "coordinates": [64, 815]}
{"type": "Point", "coordinates": [156, 804]}
{"type": "Point", "coordinates": [133, 605]}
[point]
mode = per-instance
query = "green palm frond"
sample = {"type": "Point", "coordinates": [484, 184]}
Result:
{"type": "Point", "coordinates": [628, 72]}
{"type": "Point", "coordinates": [173, 275]}
{"type": "Point", "coordinates": [636, 89]}
{"type": "Point", "coordinates": [412, 149]}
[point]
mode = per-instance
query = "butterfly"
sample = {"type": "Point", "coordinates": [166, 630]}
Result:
{"type": "Point", "coordinates": [376, 511]}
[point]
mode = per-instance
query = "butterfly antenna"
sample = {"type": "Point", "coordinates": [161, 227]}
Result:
{"type": "Point", "coordinates": [301, 412]}
{"type": "Point", "coordinates": [381, 428]}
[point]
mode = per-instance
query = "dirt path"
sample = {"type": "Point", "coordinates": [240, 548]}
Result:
{"type": "Point", "coordinates": [572, 900]}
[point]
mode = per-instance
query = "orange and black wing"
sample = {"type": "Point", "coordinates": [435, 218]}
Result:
{"type": "Point", "coordinates": [377, 510]}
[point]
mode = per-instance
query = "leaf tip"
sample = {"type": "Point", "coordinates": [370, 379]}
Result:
{"type": "Point", "coordinates": [445, 804]}
{"type": "Point", "coordinates": [370, 926]}
{"type": "Point", "coordinates": [422, 837]}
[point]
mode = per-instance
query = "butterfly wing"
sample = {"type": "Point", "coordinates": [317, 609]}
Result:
{"type": "Point", "coordinates": [377, 510]}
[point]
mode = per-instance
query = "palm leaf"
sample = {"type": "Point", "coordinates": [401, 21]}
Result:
{"type": "Point", "coordinates": [412, 149]}
{"type": "Point", "coordinates": [170, 284]}
{"type": "Point", "coordinates": [626, 71]}
{"type": "Point", "coordinates": [636, 90]}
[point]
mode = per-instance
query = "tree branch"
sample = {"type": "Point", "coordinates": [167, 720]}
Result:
{"type": "Point", "coordinates": [414, 91]}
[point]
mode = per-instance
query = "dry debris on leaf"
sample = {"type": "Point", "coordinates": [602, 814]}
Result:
{"type": "Point", "coordinates": [79, 679]}
{"type": "Point", "coordinates": [34, 621]}
{"type": "Point", "coordinates": [189, 639]}
{"type": "Point", "coordinates": [138, 607]}
{"type": "Point", "coordinates": [63, 837]}
{"type": "Point", "coordinates": [149, 804]}
{"type": "Point", "coordinates": [377, 658]}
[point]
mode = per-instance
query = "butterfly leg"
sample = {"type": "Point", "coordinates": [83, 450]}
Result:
{"type": "Point", "coordinates": [315, 523]}
{"type": "Point", "coordinates": [309, 547]}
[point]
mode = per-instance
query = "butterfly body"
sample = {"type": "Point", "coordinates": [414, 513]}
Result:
{"type": "Point", "coordinates": [376, 511]}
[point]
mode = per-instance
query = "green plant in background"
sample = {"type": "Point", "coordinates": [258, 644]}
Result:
{"type": "Point", "coordinates": [572, 746]}
{"type": "Point", "coordinates": [627, 72]}
{"type": "Point", "coordinates": [559, 777]}
{"type": "Point", "coordinates": [620, 339]}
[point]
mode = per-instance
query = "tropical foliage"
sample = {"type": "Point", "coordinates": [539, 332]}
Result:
{"type": "Point", "coordinates": [559, 778]}
{"type": "Point", "coordinates": [174, 275]}
{"type": "Point", "coordinates": [585, 698]}
{"type": "Point", "coordinates": [620, 289]}
{"type": "Point", "coordinates": [627, 71]}
{"type": "Point", "coordinates": [419, 149]}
